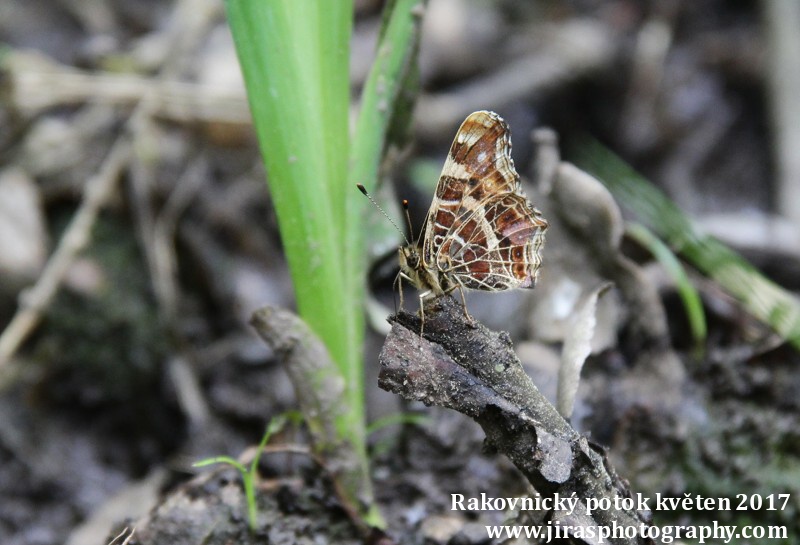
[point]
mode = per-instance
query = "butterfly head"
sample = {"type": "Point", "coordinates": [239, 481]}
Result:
{"type": "Point", "coordinates": [414, 269]}
{"type": "Point", "coordinates": [410, 262]}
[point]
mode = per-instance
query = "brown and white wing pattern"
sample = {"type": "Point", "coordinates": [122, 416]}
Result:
{"type": "Point", "coordinates": [481, 231]}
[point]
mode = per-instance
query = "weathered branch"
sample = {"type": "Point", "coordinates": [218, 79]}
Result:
{"type": "Point", "coordinates": [464, 366]}
{"type": "Point", "coordinates": [319, 389]}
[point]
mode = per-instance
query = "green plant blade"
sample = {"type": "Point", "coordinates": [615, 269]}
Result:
{"type": "Point", "coordinates": [275, 425]}
{"type": "Point", "coordinates": [385, 91]}
{"type": "Point", "coordinates": [294, 58]}
{"type": "Point", "coordinates": [297, 81]}
{"type": "Point", "coordinates": [765, 300]}
{"type": "Point", "coordinates": [691, 299]}
{"type": "Point", "coordinates": [398, 418]}
{"type": "Point", "coordinates": [295, 62]}
{"type": "Point", "coordinates": [220, 460]}
{"type": "Point", "coordinates": [391, 73]}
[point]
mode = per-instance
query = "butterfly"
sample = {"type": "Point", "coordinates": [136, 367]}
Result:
{"type": "Point", "coordinates": [481, 232]}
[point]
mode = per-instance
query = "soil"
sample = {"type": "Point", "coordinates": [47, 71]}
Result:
{"type": "Point", "coordinates": [144, 361]}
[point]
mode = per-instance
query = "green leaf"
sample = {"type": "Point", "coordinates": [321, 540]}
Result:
{"type": "Point", "coordinates": [692, 303]}
{"type": "Point", "coordinates": [295, 61]}
{"type": "Point", "coordinates": [220, 460]}
{"type": "Point", "coordinates": [398, 418]}
{"type": "Point", "coordinates": [765, 300]}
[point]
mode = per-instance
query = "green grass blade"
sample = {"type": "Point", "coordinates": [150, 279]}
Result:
{"type": "Point", "coordinates": [275, 425]}
{"type": "Point", "coordinates": [688, 294]}
{"type": "Point", "coordinates": [764, 299]}
{"type": "Point", "coordinates": [221, 460]}
{"type": "Point", "coordinates": [398, 418]}
{"type": "Point", "coordinates": [294, 58]}
{"type": "Point", "coordinates": [394, 67]}
{"type": "Point", "coordinates": [295, 62]}
{"type": "Point", "coordinates": [299, 96]}
{"type": "Point", "coordinates": [393, 70]}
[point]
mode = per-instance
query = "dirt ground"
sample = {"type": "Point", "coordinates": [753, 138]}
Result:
{"type": "Point", "coordinates": [144, 362]}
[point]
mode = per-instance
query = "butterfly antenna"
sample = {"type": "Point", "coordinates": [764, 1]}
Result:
{"type": "Point", "coordinates": [405, 205]}
{"type": "Point", "coordinates": [408, 219]}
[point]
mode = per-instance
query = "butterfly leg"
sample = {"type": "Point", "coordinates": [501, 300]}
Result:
{"type": "Point", "coordinates": [398, 280]}
{"type": "Point", "coordinates": [422, 297]}
{"type": "Point", "coordinates": [464, 301]}
{"type": "Point", "coordinates": [398, 283]}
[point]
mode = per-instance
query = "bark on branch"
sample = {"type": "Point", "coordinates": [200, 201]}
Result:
{"type": "Point", "coordinates": [320, 391]}
{"type": "Point", "coordinates": [466, 367]}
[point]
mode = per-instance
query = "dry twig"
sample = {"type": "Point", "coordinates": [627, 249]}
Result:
{"type": "Point", "coordinates": [99, 188]}
{"type": "Point", "coordinates": [567, 51]}
{"type": "Point", "coordinates": [474, 371]}
{"type": "Point", "coordinates": [35, 300]}
{"type": "Point", "coordinates": [37, 83]}
{"type": "Point", "coordinates": [319, 389]}
{"type": "Point", "coordinates": [781, 18]}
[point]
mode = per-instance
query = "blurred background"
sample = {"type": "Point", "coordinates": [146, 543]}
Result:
{"type": "Point", "coordinates": [125, 352]}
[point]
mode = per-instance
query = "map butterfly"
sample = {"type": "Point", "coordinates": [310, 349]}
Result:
{"type": "Point", "coordinates": [481, 232]}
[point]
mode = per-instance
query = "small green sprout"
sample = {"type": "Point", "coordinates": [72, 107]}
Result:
{"type": "Point", "coordinates": [250, 474]}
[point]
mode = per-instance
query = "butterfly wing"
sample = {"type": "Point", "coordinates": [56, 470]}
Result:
{"type": "Point", "coordinates": [481, 230]}
{"type": "Point", "coordinates": [498, 249]}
